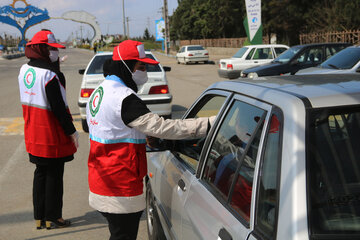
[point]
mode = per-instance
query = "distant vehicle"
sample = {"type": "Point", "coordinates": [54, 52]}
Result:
{"type": "Point", "coordinates": [281, 162]}
{"type": "Point", "coordinates": [249, 56]}
{"type": "Point", "coordinates": [296, 58]}
{"type": "Point", "coordinates": [155, 92]}
{"type": "Point", "coordinates": [345, 61]}
{"type": "Point", "coordinates": [192, 54]}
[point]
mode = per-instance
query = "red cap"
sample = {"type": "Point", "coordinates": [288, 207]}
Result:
{"type": "Point", "coordinates": [45, 37]}
{"type": "Point", "coordinates": [131, 50]}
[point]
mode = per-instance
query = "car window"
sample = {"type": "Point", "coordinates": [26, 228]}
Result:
{"type": "Point", "coordinates": [310, 56]}
{"type": "Point", "coordinates": [192, 48]}
{"type": "Point", "coordinates": [279, 50]}
{"type": "Point", "coordinates": [332, 50]}
{"type": "Point", "coordinates": [286, 56]}
{"type": "Point", "coordinates": [182, 50]}
{"type": "Point", "coordinates": [268, 186]}
{"type": "Point", "coordinates": [229, 168]}
{"type": "Point", "coordinates": [240, 52]}
{"type": "Point", "coordinates": [96, 65]}
{"type": "Point", "coordinates": [150, 67]}
{"type": "Point", "coordinates": [189, 150]}
{"type": "Point", "coordinates": [345, 59]}
{"type": "Point", "coordinates": [333, 167]}
{"type": "Point", "coordinates": [251, 53]}
{"type": "Point", "coordinates": [263, 53]}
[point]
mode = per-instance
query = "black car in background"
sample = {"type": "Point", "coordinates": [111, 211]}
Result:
{"type": "Point", "coordinates": [296, 58]}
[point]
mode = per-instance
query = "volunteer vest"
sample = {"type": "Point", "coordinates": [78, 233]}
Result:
{"type": "Point", "coordinates": [117, 158]}
{"type": "Point", "coordinates": [44, 136]}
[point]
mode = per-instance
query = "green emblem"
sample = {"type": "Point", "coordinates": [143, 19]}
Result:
{"type": "Point", "coordinates": [29, 78]}
{"type": "Point", "coordinates": [95, 101]}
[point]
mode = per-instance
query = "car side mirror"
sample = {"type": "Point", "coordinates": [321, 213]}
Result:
{"type": "Point", "coordinates": [81, 71]}
{"type": "Point", "coordinates": [167, 69]}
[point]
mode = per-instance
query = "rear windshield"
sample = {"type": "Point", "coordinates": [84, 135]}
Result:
{"type": "Point", "coordinates": [192, 48]}
{"type": "Point", "coordinates": [240, 53]}
{"type": "Point", "coordinates": [333, 165]}
{"type": "Point", "coordinates": [96, 66]}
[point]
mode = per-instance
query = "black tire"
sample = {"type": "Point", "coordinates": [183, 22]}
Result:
{"type": "Point", "coordinates": [154, 229]}
{"type": "Point", "coordinates": [84, 125]}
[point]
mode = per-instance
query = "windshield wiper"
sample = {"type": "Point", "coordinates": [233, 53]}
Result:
{"type": "Point", "coordinates": [333, 66]}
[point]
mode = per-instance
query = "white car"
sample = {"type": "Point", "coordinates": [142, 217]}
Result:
{"type": "Point", "coordinates": [155, 92]}
{"type": "Point", "coordinates": [281, 161]}
{"type": "Point", "coordinates": [249, 56]}
{"type": "Point", "coordinates": [345, 61]}
{"type": "Point", "coordinates": [192, 54]}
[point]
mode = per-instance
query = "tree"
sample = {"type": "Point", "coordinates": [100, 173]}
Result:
{"type": "Point", "coordinates": [146, 35]}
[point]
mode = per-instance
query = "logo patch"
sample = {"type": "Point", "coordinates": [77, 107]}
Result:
{"type": "Point", "coordinates": [95, 101]}
{"type": "Point", "coordinates": [29, 78]}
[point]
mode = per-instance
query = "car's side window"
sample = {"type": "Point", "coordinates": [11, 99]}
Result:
{"type": "Point", "coordinates": [248, 57]}
{"type": "Point", "coordinates": [229, 167]}
{"type": "Point", "coordinates": [310, 56]}
{"type": "Point", "coordinates": [268, 191]}
{"type": "Point", "coordinates": [189, 150]}
{"type": "Point", "coordinates": [263, 53]}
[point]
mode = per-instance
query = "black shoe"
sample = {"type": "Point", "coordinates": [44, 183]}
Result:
{"type": "Point", "coordinates": [57, 224]}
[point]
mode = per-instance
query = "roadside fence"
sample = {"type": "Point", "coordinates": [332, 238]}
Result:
{"type": "Point", "coordinates": [345, 36]}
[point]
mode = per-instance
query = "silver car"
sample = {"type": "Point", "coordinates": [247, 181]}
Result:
{"type": "Point", "coordinates": [155, 92]}
{"type": "Point", "coordinates": [282, 161]}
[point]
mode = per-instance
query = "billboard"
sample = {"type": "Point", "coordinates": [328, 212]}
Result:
{"type": "Point", "coordinates": [253, 12]}
{"type": "Point", "coordinates": [159, 30]}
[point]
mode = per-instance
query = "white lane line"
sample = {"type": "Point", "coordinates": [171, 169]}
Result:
{"type": "Point", "coordinates": [17, 156]}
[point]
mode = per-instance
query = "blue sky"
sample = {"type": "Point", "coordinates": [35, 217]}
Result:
{"type": "Point", "coordinates": [108, 13]}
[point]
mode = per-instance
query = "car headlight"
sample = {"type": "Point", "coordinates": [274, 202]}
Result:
{"type": "Point", "coordinates": [252, 75]}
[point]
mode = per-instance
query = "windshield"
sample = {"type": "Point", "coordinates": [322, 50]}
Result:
{"type": "Point", "coordinates": [286, 56]}
{"type": "Point", "coordinates": [192, 48]}
{"type": "Point", "coordinates": [152, 68]}
{"type": "Point", "coordinates": [345, 59]}
{"type": "Point", "coordinates": [333, 170]}
{"type": "Point", "coordinates": [240, 53]}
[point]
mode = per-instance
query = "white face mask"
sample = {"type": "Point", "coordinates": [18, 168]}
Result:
{"type": "Point", "coordinates": [140, 77]}
{"type": "Point", "coordinates": [53, 55]}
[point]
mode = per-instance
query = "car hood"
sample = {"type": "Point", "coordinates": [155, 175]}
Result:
{"type": "Point", "coordinates": [318, 70]}
{"type": "Point", "coordinates": [266, 67]}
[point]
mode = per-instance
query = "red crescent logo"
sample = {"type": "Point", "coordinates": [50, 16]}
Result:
{"type": "Point", "coordinates": [95, 100]}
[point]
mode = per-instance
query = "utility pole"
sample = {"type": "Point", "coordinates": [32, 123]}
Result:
{"type": "Point", "coordinates": [127, 27]}
{"type": "Point", "coordinates": [124, 18]}
{"type": "Point", "coordinates": [167, 37]}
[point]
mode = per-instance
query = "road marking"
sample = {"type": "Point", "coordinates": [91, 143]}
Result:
{"type": "Point", "coordinates": [15, 126]}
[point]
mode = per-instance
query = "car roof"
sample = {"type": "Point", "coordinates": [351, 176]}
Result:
{"type": "Point", "coordinates": [314, 90]}
{"type": "Point", "coordinates": [267, 45]}
{"type": "Point", "coordinates": [110, 53]}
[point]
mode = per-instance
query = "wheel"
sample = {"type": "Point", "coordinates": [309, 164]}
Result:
{"type": "Point", "coordinates": [84, 125]}
{"type": "Point", "coordinates": [154, 228]}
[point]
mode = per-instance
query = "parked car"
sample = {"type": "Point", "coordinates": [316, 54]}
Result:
{"type": "Point", "coordinates": [345, 61]}
{"type": "Point", "coordinates": [296, 58]}
{"type": "Point", "coordinates": [281, 161]}
{"type": "Point", "coordinates": [249, 56]}
{"type": "Point", "coordinates": [155, 92]}
{"type": "Point", "coordinates": [192, 54]}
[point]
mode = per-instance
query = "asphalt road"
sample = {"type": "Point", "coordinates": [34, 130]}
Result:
{"type": "Point", "coordinates": [186, 83]}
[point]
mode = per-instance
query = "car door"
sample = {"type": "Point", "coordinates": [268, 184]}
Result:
{"type": "Point", "coordinates": [307, 58]}
{"type": "Point", "coordinates": [260, 56]}
{"type": "Point", "coordinates": [180, 165]}
{"type": "Point", "coordinates": [180, 55]}
{"type": "Point", "coordinates": [221, 199]}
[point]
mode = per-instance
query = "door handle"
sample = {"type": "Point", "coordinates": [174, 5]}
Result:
{"type": "Point", "coordinates": [224, 235]}
{"type": "Point", "coordinates": [256, 62]}
{"type": "Point", "coordinates": [181, 185]}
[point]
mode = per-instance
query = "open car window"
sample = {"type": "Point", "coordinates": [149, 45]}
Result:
{"type": "Point", "coordinates": [189, 150]}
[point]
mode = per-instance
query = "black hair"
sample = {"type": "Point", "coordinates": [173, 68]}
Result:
{"type": "Point", "coordinates": [118, 68]}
